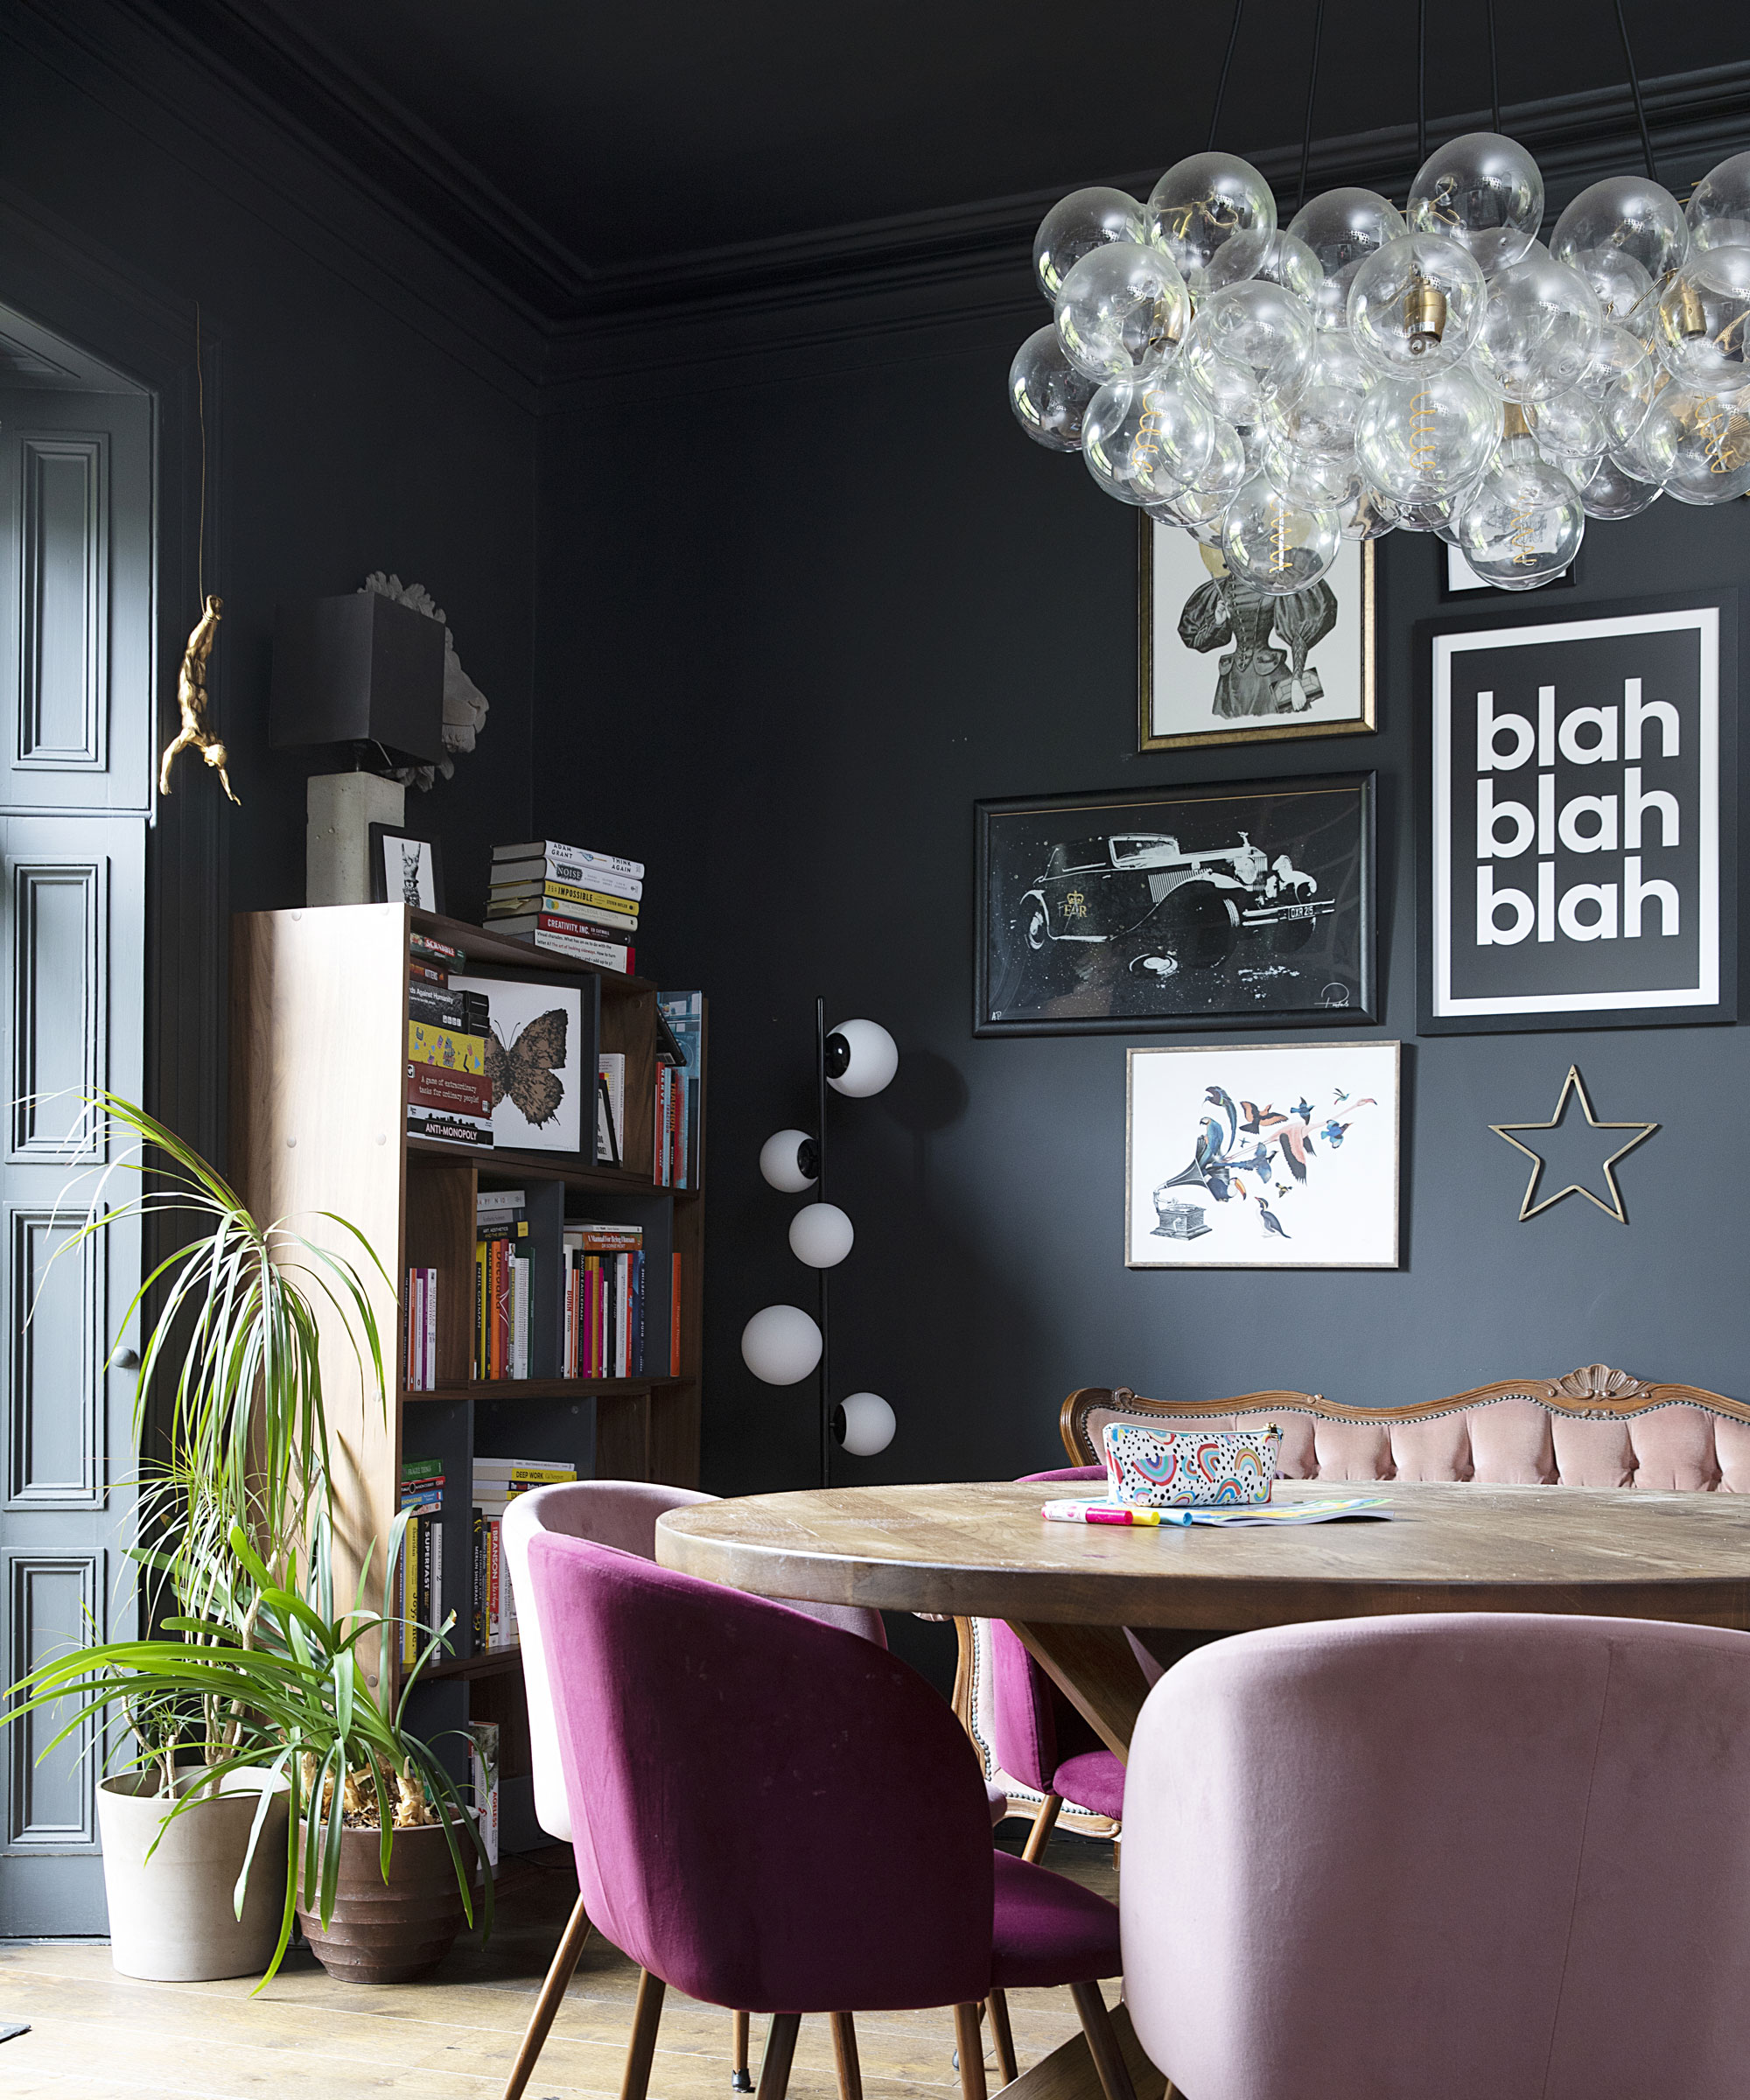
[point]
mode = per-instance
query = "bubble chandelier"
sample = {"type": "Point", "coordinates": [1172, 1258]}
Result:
{"type": "Point", "coordinates": [1274, 390]}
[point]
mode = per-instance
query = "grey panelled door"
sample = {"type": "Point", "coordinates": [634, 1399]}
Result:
{"type": "Point", "coordinates": [76, 647]}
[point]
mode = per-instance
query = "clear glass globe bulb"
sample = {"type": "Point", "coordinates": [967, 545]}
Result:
{"type": "Point", "coordinates": [1416, 306]}
{"type": "Point", "coordinates": [1318, 482]}
{"type": "Point", "coordinates": [1614, 495]}
{"type": "Point", "coordinates": [1319, 414]}
{"type": "Point", "coordinates": [1426, 440]}
{"type": "Point", "coordinates": [1698, 444]}
{"type": "Point", "coordinates": [1705, 321]}
{"type": "Point", "coordinates": [1540, 326]}
{"type": "Point", "coordinates": [1259, 326]}
{"type": "Point", "coordinates": [1048, 394]}
{"type": "Point", "coordinates": [1429, 517]}
{"type": "Point", "coordinates": [1076, 225]}
{"type": "Point", "coordinates": [1719, 206]}
{"type": "Point", "coordinates": [1618, 354]}
{"type": "Point", "coordinates": [1368, 515]}
{"type": "Point", "coordinates": [1484, 192]}
{"type": "Point", "coordinates": [1288, 262]}
{"type": "Point", "coordinates": [1623, 235]}
{"type": "Point", "coordinates": [1199, 512]}
{"type": "Point", "coordinates": [1146, 438]}
{"type": "Point", "coordinates": [1523, 522]}
{"type": "Point", "coordinates": [1225, 389]}
{"type": "Point", "coordinates": [1122, 309]}
{"type": "Point", "coordinates": [1213, 213]}
{"type": "Point", "coordinates": [1225, 471]}
{"type": "Point", "coordinates": [1341, 228]}
{"type": "Point", "coordinates": [1570, 431]}
{"type": "Point", "coordinates": [1277, 544]}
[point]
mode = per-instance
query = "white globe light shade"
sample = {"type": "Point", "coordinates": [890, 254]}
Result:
{"type": "Point", "coordinates": [780, 1345]}
{"type": "Point", "coordinates": [869, 1425]}
{"type": "Point", "coordinates": [872, 1055]}
{"type": "Point", "coordinates": [780, 1162]}
{"type": "Point", "coordinates": [821, 1235]}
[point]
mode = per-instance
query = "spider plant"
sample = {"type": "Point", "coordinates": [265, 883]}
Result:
{"type": "Point", "coordinates": [303, 1708]}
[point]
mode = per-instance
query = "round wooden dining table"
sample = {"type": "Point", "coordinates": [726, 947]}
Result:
{"type": "Point", "coordinates": [1070, 1591]}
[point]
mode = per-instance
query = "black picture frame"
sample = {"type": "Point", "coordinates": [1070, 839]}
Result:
{"type": "Point", "coordinates": [1586, 659]}
{"type": "Point", "coordinates": [379, 837]}
{"type": "Point", "coordinates": [1193, 899]}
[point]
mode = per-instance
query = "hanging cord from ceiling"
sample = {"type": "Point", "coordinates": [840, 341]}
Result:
{"type": "Point", "coordinates": [1222, 83]}
{"type": "Point", "coordinates": [1493, 73]}
{"type": "Point", "coordinates": [1312, 89]}
{"type": "Point", "coordinates": [1634, 89]}
{"type": "Point", "coordinates": [1421, 81]}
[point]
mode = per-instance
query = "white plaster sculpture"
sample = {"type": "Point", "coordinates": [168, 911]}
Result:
{"type": "Point", "coordinates": [465, 704]}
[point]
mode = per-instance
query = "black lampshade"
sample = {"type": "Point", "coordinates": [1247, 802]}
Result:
{"type": "Point", "coordinates": [360, 669]}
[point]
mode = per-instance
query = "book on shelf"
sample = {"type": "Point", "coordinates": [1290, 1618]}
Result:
{"type": "Point", "coordinates": [497, 1482]}
{"type": "Point", "coordinates": [463, 1012]}
{"type": "Point", "coordinates": [683, 1086]}
{"type": "Point", "coordinates": [563, 901]}
{"type": "Point", "coordinates": [611, 1107]}
{"type": "Point", "coordinates": [424, 948]}
{"type": "Point", "coordinates": [576, 939]}
{"type": "Point", "coordinates": [604, 1301]}
{"type": "Point", "coordinates": [538, 870]}
{"type": "Point", "coordinates": [448, 1128]}
{"type": "Point", "coordinates": [417, 1595]}
{"type": "Point", "coordinates": [550, 849]}
{"type": "Point", "coordinates": [419, 1330]}
{"type": "Point", "coordinates": [449, 1096]}
{"type": "Point", "coordinates": [428, 973]}
{"type": "Point", "coordinates": [501, 1287]}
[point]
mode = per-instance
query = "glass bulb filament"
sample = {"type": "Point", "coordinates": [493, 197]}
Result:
{"type": "Point", "coordinates": [1425, 314]}
{"type": "Point", "coordinates": [1424, 424]}
{"type": "Point", "coordinates": [1278, 537]}
{"type": "Point", "coordinates": [1220, 213]}
{"type": "Point", "coordinates": [1725, 436]}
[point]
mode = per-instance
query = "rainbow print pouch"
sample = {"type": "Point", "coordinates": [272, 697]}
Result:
{"type": "Point", "coordinates": [1186, 1468]}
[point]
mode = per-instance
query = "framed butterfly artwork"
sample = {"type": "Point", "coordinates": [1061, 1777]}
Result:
{"type": "Point", "coordinates": [537, 1060]}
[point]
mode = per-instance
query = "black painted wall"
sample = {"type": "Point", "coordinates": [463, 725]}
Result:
{"type": "Point", "coordinates": [887, 604]}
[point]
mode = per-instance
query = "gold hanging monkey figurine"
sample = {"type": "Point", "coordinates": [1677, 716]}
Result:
{"type": "Point", "coordinates": [191, 700]}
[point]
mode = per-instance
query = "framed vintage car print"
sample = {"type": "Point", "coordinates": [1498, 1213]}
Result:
{"type": "Point", "coordinates": [1578, 855]}
{"type": "Point", "coordinates": [1262, 1156]}
{"type": "Point", "coordinates": [1245, 904]}
{"type": "Point", "coordinates": [1220, 661]}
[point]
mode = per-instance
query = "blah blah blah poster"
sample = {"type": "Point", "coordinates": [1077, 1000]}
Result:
{"type": "Point", "coordinates": [1580, 849]}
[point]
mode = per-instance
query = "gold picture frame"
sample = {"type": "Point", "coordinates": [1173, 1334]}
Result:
{"type": "Point", "coordinates": [1256, 730]}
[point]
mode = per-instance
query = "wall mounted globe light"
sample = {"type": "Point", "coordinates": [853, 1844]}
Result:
{"type": "Point", "coordinates": [782, 1344]}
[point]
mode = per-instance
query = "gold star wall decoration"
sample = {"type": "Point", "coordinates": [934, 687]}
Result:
{"type": "Point", "coordinates": [1573, 1084]}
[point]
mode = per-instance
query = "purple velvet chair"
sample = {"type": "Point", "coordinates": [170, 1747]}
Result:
{"type": "Point", "coordinates": [769, 1813]}
{"type": "Point", "coordinates": [1445, 1856]}
{"type": "Point", "coordinates": [1037, 1737]}
{"type": "Point", "coordinates": [621, 1514]}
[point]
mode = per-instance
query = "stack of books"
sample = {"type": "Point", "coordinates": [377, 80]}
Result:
{"type": "Point", "coordinates": [501, 1270]}
{"type": "Point", "coordinates": [419, 1330]}
{"type": "Point", "coordinates": [678, 1092]}
{"type": "Point", "coordinates": [603, 1332]}
{"type": "Point", "coordinates": [568, 898]}
{"type": "Point", "coordinates": [449, 1096]}
{"type": "Point", "coordinates": [497, 1483]}
{"type": "Point", "coordinates": [417, 1598]}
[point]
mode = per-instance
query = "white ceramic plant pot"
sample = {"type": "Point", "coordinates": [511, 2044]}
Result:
{"type": "Point", "coordinates": [170, 1917]}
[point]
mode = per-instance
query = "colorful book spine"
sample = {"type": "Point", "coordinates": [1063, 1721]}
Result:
{"type": "Point", "coordinates": [560, 899]}
{"type": "Point", "coordinates": [534, 872]}
{"type": "Point", "coordinates": [419, 1324]}
{"type": "Point", "coordinates": [550, 849]}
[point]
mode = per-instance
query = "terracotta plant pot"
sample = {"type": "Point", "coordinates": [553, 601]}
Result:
{"type": "Point", "coordinates": [392, 1932]}
{"type": "Point", "coordinates": [170, 1916]}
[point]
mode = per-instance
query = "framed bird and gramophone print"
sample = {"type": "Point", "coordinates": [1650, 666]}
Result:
{"type": "Point", "coordinates": [1578, 859]}
{"type": "Point", "coordinates": [1262, 1156]}
{"type": "Point", "coordinates": [1249, 904]}
{"type": "Point", "coordinates": [1220, 661]}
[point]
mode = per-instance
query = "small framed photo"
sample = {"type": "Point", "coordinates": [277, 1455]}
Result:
{"type": "Point", "coordinates": [1221, 661]}
{"type": "Point", "coordinates": [1578, 860]}
{"type": "Point", "coordinates": [1262, 1156]}
{"type": "Point", "coordinates": [1246, 904]}
{"type": "Point", "coordinates": [535, 1061]}
{"type": "Point", "coordinates": [406, 870]}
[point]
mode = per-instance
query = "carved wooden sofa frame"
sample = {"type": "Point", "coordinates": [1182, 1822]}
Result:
{"type": "Point", "coordinates": [1594, 1428]}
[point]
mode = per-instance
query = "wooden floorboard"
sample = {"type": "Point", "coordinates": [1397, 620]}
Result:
{"type": "Point", "coordinates": [95, 2035]}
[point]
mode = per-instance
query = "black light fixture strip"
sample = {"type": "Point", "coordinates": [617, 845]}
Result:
{"type": "Point", "coordinates": [1634, 89]}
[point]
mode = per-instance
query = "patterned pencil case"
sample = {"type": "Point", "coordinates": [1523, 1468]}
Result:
{"type": "Point", "coordinates": [1183, 1468]}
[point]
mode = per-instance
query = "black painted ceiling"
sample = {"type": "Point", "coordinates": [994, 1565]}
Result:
{"type": "Point", "coordinates": [604, 139]}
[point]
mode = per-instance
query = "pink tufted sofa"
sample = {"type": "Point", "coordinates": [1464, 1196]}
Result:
{"type": "Point", "coordinates": [1595, 1428]}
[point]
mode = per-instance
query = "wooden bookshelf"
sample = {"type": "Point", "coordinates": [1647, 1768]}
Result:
{"type": "Point", "coordinates": [319, 1006]}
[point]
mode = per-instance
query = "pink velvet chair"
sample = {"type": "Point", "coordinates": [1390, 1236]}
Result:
{"type": "Point", "coordinates": [771, 1814]}
{"type": "Point", "coordinates": [1443, 1857]}
{"type": "Point", "coordinates": [620, 1514]}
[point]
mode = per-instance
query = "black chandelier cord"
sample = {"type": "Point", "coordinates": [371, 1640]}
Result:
{"type": "Point", "coordinates": [1226, 64]}
{"type": "Point", "coordinates": [1634, 89]}
{"type": "Point", "coordinates": [1421, 81]}
{"type": "Point", "coordinates": [1493, 71]}
{"type": "Point", "coordinates": [1312, 89]}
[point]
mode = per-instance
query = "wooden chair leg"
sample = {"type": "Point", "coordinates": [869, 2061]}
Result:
{"type": "Point", "coordinates": [1044, 1823]}
{"type": "Point", "coordinates": [1003, 2035]}
{"type": "Point", "coordinates": [1102, 2042]}
{"type": "Point", "coordinates": [844, 2056]}
{"type": "Point", "coordinates": [739, 2080]}
{"type": "Point", "coordinates": [552, 1997]}
{"type": "Point", "coordinates": [645, 2019]}
{"type": "Point", "coordinates": [781, 2049]}
{"type": "Point", "coordinates": [969, 2046]}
